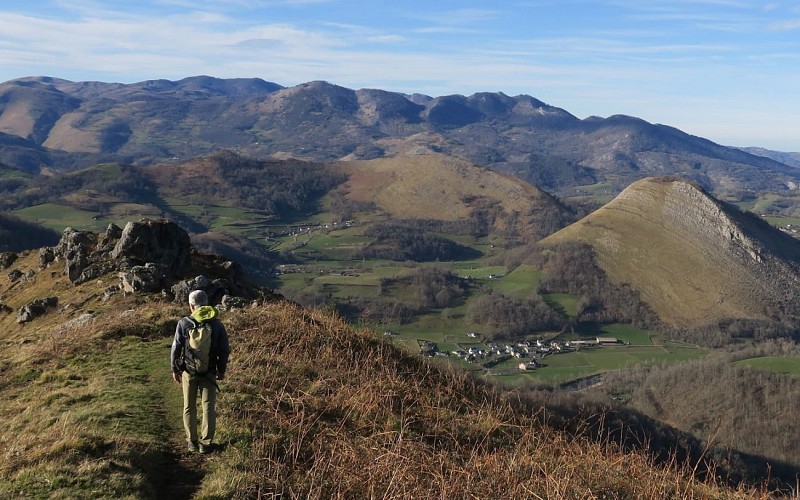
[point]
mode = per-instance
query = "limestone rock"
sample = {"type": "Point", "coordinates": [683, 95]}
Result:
{"type": "Point", "coordinates": [150, 277]}
{"type": "Point", "coordinates": [74, 248]}
{"type": "Point", "coordinates": [6, 259]}
{"type": "Point", "coordinates": [46, 257]}
{"type": "Point", "coordinates": [230, 302]}
{"type": "Point", "coordinates": [95, 270]}
{"type": "Point", "coordinates": [161, 242]}
{"type": "Point", "coordinates": [109, 239]}
{"type": "Point", "coordinates": [35, 309]}
{"type": "Point", "coordinates": [182, 289]}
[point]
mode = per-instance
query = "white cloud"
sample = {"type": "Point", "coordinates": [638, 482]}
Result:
{"type": "Point", "coordinates": [790, 25]}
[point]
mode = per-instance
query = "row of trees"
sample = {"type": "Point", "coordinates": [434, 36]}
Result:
{"type": "Point", "coordinates": [511, 316]}
{"type": "Point", "coordinates": [435, 288]}
{"type": "Point", "coordinates": [402, 241]}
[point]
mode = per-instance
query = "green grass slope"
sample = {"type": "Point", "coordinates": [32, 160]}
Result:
{"type": "Point", "coordinates": [694, 259]}
{"type": "Point", "coordinates": [311, 409]}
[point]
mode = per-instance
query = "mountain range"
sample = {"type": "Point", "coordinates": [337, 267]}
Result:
{"type": "Point", "coordinates": [49, 123]}
{"type": "Point", "coordinates": [692, 257]}
{"type": "Point", "coordinates": [381, 206]}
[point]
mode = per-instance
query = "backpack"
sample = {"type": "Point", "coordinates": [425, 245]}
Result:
{"type": "Point", "coordinates": [197, 348]}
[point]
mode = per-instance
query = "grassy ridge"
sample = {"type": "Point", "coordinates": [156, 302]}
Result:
{"type": "Point", "coordinates": [311, 409]}
{"type": "Point", "coordinates": [337, 413]}
{"type": "Point", "coordinates": [95, 417]}
{"type": "Point", "coordinates": [686, 253]}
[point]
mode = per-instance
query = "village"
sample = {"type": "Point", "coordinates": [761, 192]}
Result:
{"type": "Point", "coordinates": [529, 352]}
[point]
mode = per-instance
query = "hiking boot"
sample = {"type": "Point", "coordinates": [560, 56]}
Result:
{"type": "Point", "coordinates": [205, 448]}
{"type": "Point", "coordinates": [193, 446]}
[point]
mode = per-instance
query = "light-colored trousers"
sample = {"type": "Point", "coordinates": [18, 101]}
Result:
{"type": "Point", "coordinates": [207, 389]}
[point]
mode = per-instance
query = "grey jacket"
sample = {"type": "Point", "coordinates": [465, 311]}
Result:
{"type": "Point", "coordinates": [220, 348]}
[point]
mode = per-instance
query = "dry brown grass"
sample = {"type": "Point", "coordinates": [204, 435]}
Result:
{"type": "Point", "coordinates": [312, 408]}
{"type": "Point", "coordinates": [435, 187]}
{"type": "Point", "coordinates": [319, 410]}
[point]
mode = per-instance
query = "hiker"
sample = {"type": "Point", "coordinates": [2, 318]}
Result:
{"type": "Point", "coordinates": [199, 358]}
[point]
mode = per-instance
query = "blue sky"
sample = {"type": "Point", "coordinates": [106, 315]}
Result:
{"type": "Point", "coordinates": [727, 70]}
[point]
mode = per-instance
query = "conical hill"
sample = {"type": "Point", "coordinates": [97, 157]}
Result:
{"type": "Point", "coordinates": [694, 259]}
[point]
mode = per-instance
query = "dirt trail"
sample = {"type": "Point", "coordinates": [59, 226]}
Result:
{"type": "Point", "coordinates": [181, 472]}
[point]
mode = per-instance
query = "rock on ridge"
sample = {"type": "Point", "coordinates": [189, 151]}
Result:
{"type": "Point", "coordinates": [160, 248]}
{"type": "Point", "coordinates": [159, 242]}
{"type": "Point", "coordinates": [149, 256]}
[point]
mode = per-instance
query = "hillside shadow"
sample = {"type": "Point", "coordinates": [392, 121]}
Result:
{"type": "Point", "coordinates": [667, 445]}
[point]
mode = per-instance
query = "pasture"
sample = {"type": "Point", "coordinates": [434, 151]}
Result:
{"type": "Point", "coordinates": [59, 217]}
{"type": "Point", "coordinates": [566, 367]}
{"type": "Point", "coordinates": [776, 364]}
{"type": "Point", "coordinates": [563, 303]}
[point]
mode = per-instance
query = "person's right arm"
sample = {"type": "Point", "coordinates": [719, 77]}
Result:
{"type": "Point", "coordinates": [175, 353]}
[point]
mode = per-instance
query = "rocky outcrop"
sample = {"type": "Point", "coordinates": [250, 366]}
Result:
{"type": "Point", "coordinates": [46, 257]}
{"type": "Point", "coordinates": [149, 256]}
{"type": "Point", "coordinates": [6, 259]}
{"type": "Point", "coordinates": [229, 303]}
{"type": "Point", "coordinates": [215, 289]}
{"type": "Point", "coordinates": [87, 255]}
{"type": "Point", "coordinates": [74, 250]}
{"type": "Point", "coordinates": [110, 238]}
{"type": "Point", "coordinates": [150, 277]}
{"type": "Point", "coordinates": [35, 309]}
{"type": "Point", "coordinates": [160, 242]}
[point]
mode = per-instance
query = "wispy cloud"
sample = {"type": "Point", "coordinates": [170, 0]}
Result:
{"type": "Point", "coordinates": [790, 25]}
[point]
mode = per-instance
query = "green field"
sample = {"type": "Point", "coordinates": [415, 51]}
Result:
{"type": "Point", "coordinates": [565, 304]}
{"type": "Point", "coordinates": [625, 333]}
{"type": "Point", "coordinates": [776, 364]}
{"type": "Point", "coordinates": [521, 282]}
{"type": "Point", "coordinates": [560, 368]}
{"type": "Point", "coordinates": [59, 217]}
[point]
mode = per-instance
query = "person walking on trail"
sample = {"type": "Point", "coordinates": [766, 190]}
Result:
{"type": "Point", "coordinates": [199, 356]}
